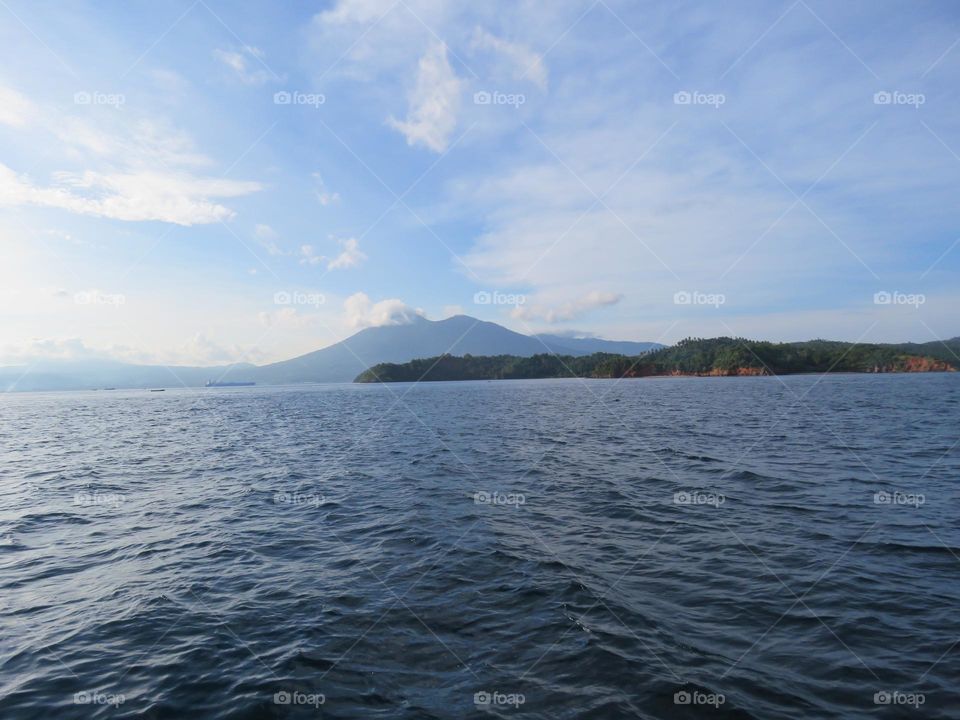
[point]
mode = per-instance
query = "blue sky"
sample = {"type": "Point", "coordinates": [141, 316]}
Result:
{"type": "Point", "coordinates": [641, 171]}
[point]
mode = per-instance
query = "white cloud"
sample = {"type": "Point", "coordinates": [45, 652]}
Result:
{"type": "Point", "coordinates": [309, 257]}
{"type": "Point", "coordinates": [240, 63]}
{"type": "Point", "coordinates": [433, 102]}
{"type": "Point", "coordinates": [565, 311]}
{"type": "Point", "coordinates": [177, 198]}
{"type": "Point", "coordinates": [323, 194]}
{"type": "Point", "coordinates": [15, 109]}
{"type": "Point", "coordinates": [524, 62]}
{"type": "Point", "coordinates": [362, 312]}
{"type": "Point", "coordinates": [199, 350]}
{"type": "Point", "coordinates": [37, 349]}
{"type": "Point", "coordinates": [349, 257]}
{"type": "Point", "coordinates": [356, 11]}
{"type": "Point", "coordinates": [267, 237]}
{"type": "Point", "coordinates": [133, 170]}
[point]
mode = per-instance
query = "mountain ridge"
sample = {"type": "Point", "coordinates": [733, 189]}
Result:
{"type": "Point", "coordinates": [339, 362]}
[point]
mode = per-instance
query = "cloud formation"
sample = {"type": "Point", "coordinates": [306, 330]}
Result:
{"type": "Point", "coordinates": [433, 102]}
{"type": "Point", "coordinates": [362, 312]}
{"type": "Point", "coordinates": [241, 62]}
{"type": "Point", "coordinates": [349, 257]}
{"type": "Point", "coordinates": [566, 311]}
{"type": "Point", "coordinates": [137, 171]}
{"type": "Point", "coordinates": [523, 62]}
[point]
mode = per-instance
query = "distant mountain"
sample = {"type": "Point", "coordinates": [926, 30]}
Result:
{"type": "Point", "coordinates": [93, 374]}
{"type": "Point", "coordinates": [341, 362]}
{"type": "Point", "coordinates": [587, 346]}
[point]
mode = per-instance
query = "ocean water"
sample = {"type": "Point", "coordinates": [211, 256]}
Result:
{"type": "Point", "coordinates": [656, 548]}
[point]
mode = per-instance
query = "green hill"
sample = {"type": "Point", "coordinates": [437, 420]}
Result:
{"type": "Point", "coordinates": [722, 356]}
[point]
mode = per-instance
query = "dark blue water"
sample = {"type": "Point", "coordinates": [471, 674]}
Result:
{"type": "Point", "coordinates": [659, 548]}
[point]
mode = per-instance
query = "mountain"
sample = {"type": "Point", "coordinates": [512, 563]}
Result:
{"type": "Point", "coordinates": [97, 373]}
{"type": "Point", "coordinates": [341, 362]}
{"type": "Point", "coordinates": [459, 335]}
{"type": "Point", "coordinates": [587, 346]}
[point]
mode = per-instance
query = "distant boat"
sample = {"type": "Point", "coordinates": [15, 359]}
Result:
{"type": "Point", "coordinates": [217, 383]}
{"type": "Point", "coordinates": [159, 390]}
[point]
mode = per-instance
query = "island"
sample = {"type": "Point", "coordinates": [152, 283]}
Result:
{"type": "Point", "coordinates": [698, 357]}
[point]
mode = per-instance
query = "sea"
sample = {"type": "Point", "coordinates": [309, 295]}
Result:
{"type": "Point", "coordinates": [772, 547]}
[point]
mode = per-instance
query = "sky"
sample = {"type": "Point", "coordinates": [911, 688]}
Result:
{"type": "Point", "coordinates": [201, 182]}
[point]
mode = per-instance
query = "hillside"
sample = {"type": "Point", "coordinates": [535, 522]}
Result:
{"type": "Point", "coordinates": [715, 357]}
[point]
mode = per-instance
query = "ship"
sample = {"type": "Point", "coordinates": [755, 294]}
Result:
{"type": "Point", "coordinates": [218, 383]}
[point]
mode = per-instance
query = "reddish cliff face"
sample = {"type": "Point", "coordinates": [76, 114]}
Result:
{"type": "Point", "coordinates": [914, 363]}
{"type": "Point", "coordinates": [908, 363]}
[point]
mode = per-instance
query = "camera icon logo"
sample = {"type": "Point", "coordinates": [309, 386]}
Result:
{"type": "Point", "coordinates": [482, 97]}
{"type": "Point", "coordinates": [282, 97]}
{"type": "Point", "coordinates": [281, 698]}
{"type": "Point", "coordinates": [882, 98]}
{"type": "Point", "coordinates": [682, 98]}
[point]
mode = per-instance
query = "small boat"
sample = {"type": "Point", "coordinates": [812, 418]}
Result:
{"type": "Point", "coordinates": [159, 390]}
